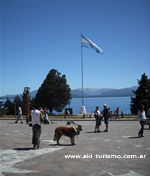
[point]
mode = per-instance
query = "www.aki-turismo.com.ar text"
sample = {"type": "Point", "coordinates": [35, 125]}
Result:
{"type": "Point", "coordinates": [85, 156]}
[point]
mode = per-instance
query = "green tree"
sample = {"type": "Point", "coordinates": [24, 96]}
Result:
{"type": "Point", "coordinates": [18, 102]}
{"type": "Point", "coordinates": [9, 107]}
{"type": "Point", "coordinates": [142, 95]}
{"type": "Point", "coordinates": [54, 93]}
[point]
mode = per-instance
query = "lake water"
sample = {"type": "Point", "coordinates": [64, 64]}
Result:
{"type": "Point", "coordinates": [112, 102]}
{"type": "Point", "coordinates": [90, 103]}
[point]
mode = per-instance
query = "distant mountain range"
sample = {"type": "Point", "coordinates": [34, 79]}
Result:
{"type": "Point", "coordinates": [103, 92]}
{"type": "Point", "coordinates": [90, 92]}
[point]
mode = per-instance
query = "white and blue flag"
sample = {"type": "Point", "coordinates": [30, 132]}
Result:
{"type": "Point", "coordinates": [85, 42]}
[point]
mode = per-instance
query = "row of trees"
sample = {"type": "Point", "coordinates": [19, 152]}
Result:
{"type": "Point", "coordinates": [9, 106]}
{"type": "Point", "coordinates": [54, 93]}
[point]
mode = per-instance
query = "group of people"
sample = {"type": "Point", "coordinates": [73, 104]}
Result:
{"type": "Point", "coordinates": [45, 115]}
{"type": "Point", "coordinates": [43, 112]}
{"type": "Point", "coordinates": [107, 114]}
{"type": "Point", "coordinates": [39, 115]}
{"type": "Point", "coordinates": [99, 116]}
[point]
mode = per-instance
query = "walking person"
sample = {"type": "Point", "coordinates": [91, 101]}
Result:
{"type": "Point", "coordinates": [117, 113]}
{"type": "Point", "coordinates": [142, 118]}
{"type": "Point", "coordinates": [19, 115]}
{"type": "Point", "coordinates": [106, 118]}
{"type": "Point", "coordinates": [37, 118]}
{"type": "Point", "coordinates": [98, 116]}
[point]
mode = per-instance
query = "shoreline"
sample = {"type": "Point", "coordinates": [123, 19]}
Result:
{"type": "Point", "coordinates": [75, 118]}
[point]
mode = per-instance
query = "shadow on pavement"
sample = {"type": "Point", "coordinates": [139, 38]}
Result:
{"type": "Point", "coordinates": [26, 149]}
{"type": "Point", "coordinates": [94, 132]}
{"type": "Point", "coordinates": [61, 145]}
{"type": "Point", "coordinates": [133, 137]}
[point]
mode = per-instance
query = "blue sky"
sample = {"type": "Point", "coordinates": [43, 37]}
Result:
{"type": "Point", "coordinates": [37, 36]}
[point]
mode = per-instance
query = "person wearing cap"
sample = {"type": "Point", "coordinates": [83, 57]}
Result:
{"type": "Point", "coordinates": [106, 118]}
{"type": "Point", "coordinates": [98, 117]}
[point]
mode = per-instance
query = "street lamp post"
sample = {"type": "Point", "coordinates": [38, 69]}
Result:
{"type": "Point", "coordinates": [26, 90]}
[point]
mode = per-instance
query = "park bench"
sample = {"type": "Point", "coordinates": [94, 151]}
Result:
{"type": "Point", "coordinates": [147, 122]}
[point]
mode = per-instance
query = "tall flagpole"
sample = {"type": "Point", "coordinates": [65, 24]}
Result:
{"type": "Point", "coordinates": [82, 70]}
{"type": "Point", "coordinates": [82, 110]}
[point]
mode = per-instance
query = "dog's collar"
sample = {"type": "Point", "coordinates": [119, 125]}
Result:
{"type": "Point", "coordinates": [76, 129]}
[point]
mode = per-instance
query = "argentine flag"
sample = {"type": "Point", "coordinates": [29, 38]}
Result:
{"type": "Point", "coordinates": [85, 42]}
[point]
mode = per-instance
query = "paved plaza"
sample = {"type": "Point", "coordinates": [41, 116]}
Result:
{"type": "Point", "coordinates": [96, 154]}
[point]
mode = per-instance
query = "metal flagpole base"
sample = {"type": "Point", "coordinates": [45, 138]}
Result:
{"type": "Point", "coordinates": [82, 110]}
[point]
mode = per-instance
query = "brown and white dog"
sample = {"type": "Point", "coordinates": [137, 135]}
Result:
{"type": "Point", "coordinates": [71, 132]}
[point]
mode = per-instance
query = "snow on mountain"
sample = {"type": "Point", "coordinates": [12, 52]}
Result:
{"type": "Point", "coordinates": [91, 91]}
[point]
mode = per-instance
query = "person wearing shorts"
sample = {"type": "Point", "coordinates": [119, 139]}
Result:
{"type": "Point", "coordinates": [97, 116]}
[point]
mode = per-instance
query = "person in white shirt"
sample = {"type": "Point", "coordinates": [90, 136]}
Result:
{"type": "Point", "coordinates": [36, 127]}
{"type": "Point", "coordinates": [142, 118]}
{"type": "Point", "coordinates": [46, 120]}
{"type": "Point", "coordinates": [98, 116]}
{"type": "Point", "coordinates": [19, 115]}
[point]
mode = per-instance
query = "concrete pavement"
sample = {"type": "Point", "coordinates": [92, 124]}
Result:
{"type": "Point", "coordinates": [96, 154]}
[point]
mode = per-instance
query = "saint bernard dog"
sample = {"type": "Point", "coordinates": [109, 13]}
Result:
{"type": "Point", "coordinates": [71, 132]}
